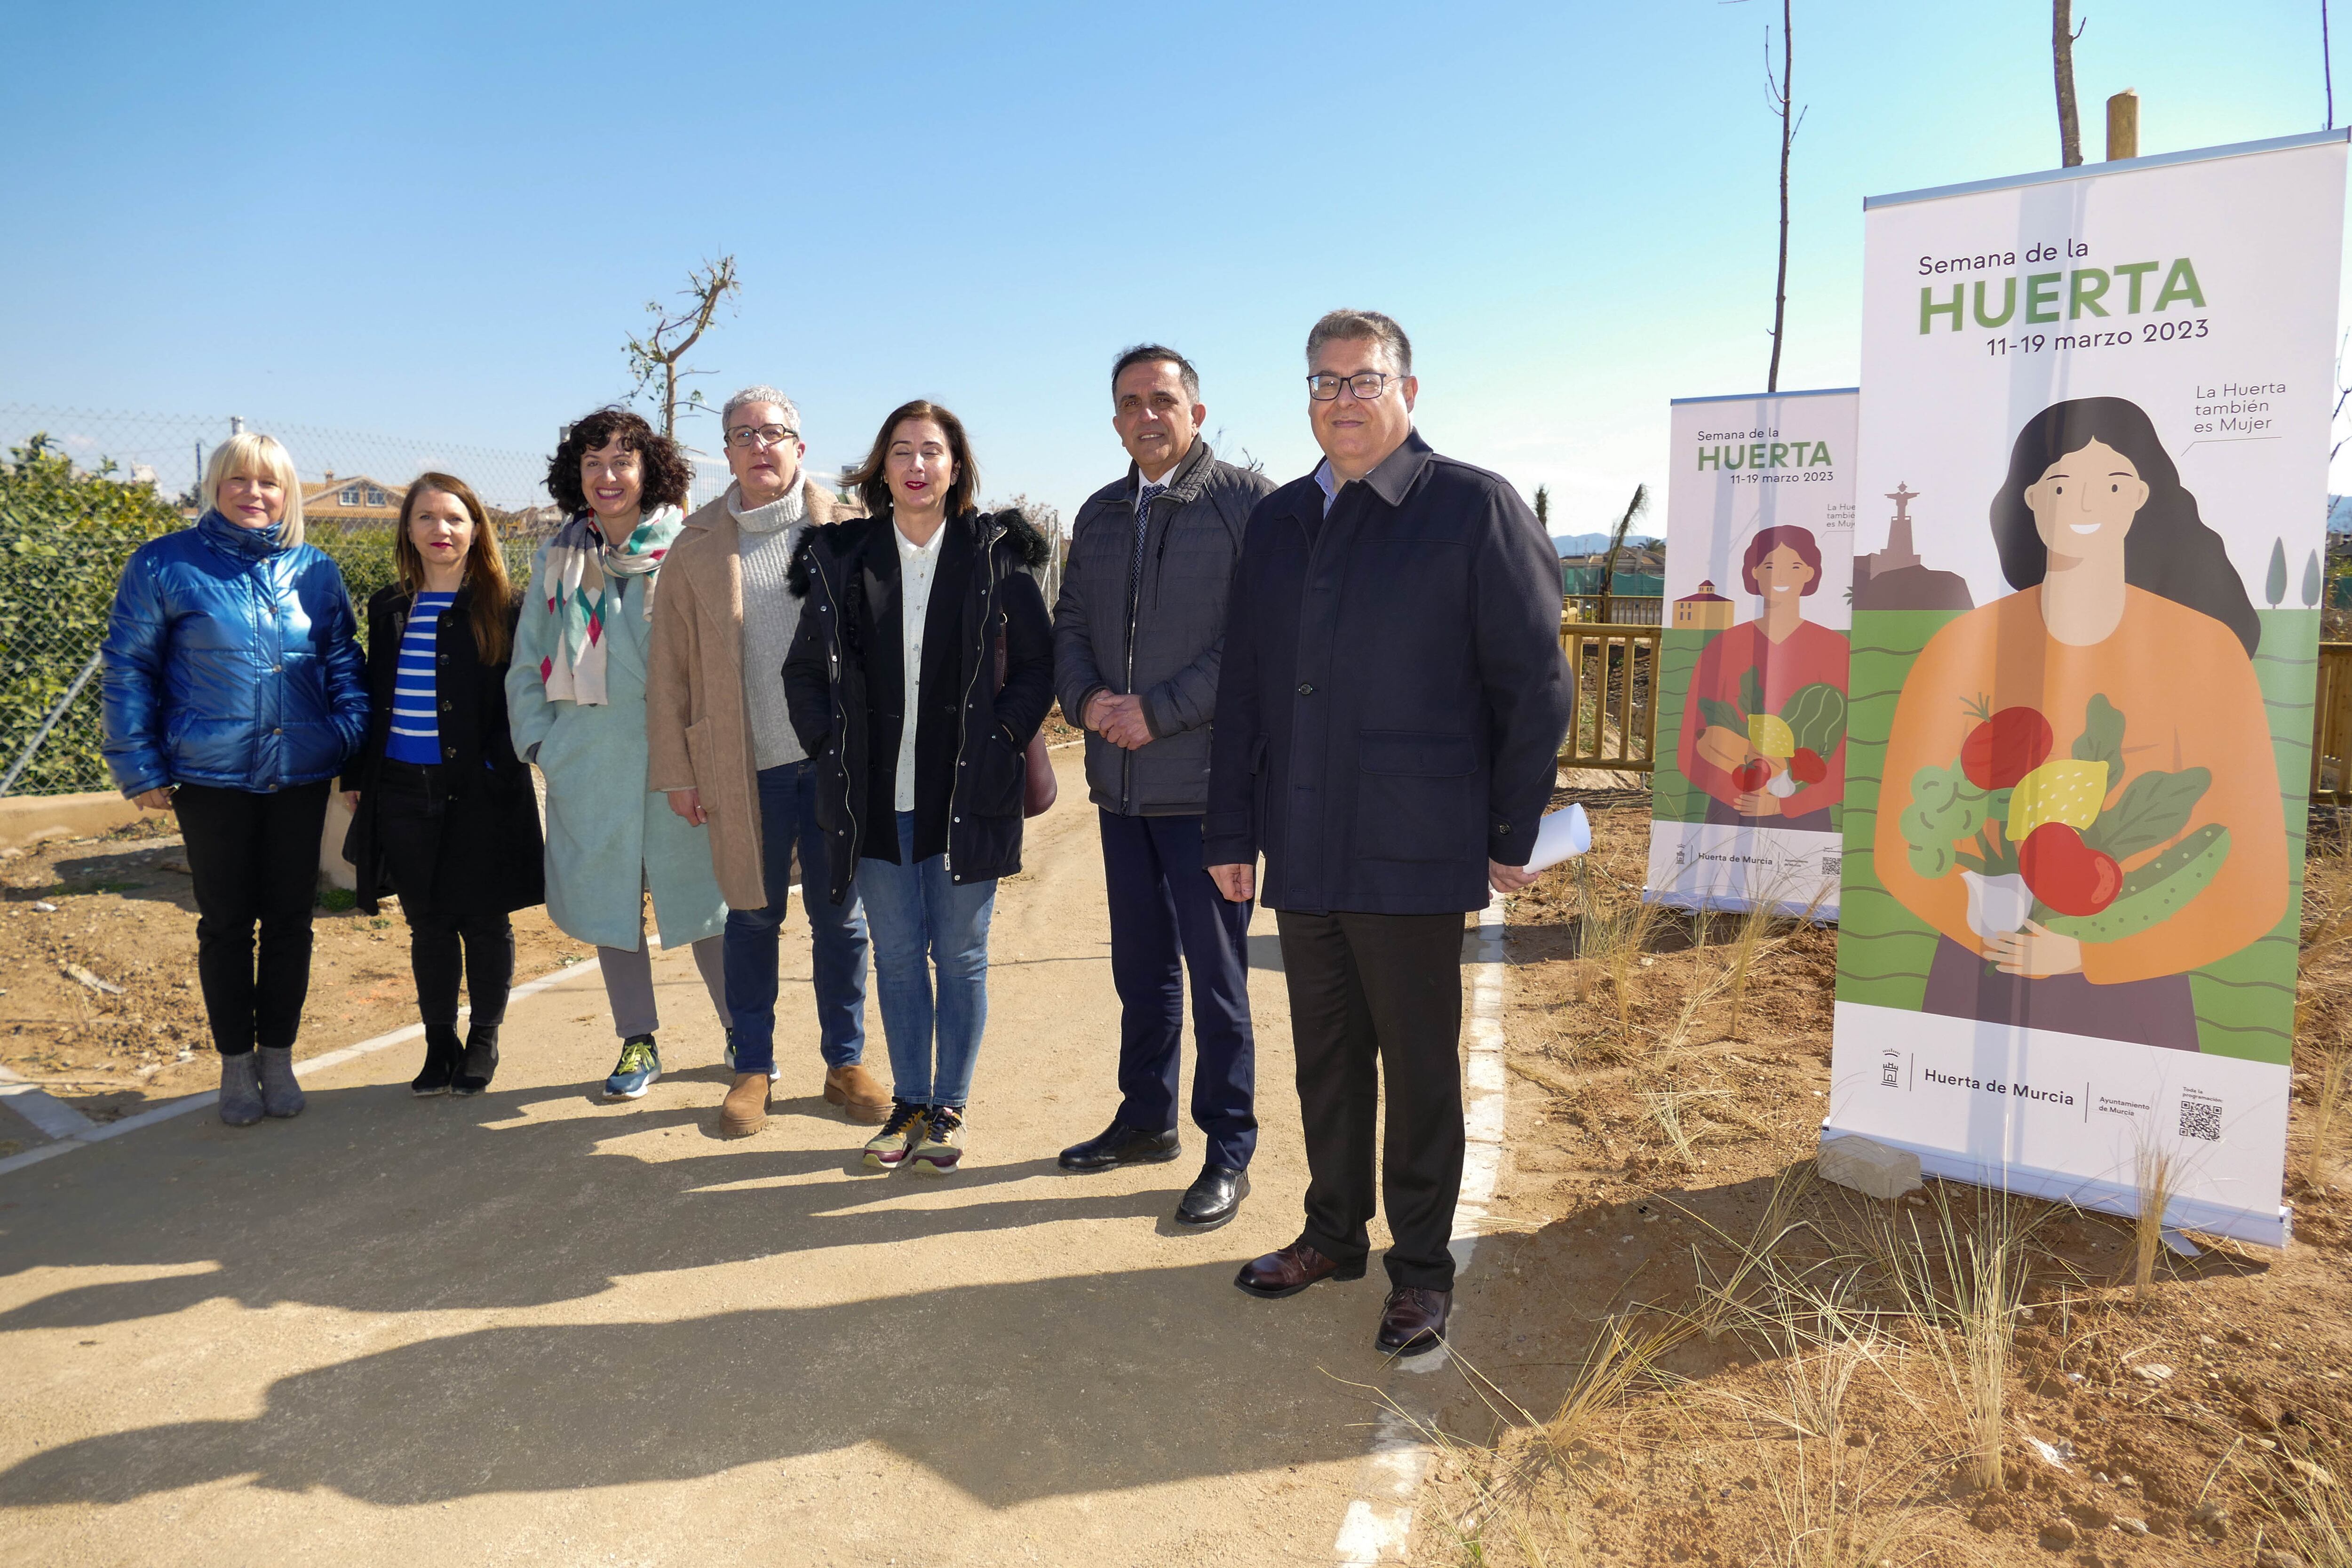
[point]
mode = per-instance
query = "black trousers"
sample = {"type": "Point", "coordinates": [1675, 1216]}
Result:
{"type": "Point", "coordinates": [420, 828]}
{"type": "Point", "coordinates": [1374, 996]}
{"type": "Point", "coordinates": [255, 858]}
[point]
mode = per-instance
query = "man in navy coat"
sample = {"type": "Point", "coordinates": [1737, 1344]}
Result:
{"type": "Point", "coordinates": [1391, 701]}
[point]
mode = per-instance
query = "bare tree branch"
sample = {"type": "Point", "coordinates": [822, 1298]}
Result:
{"type": "Point", "coordinates": [661, 352]}
{"type": "Point", "coordinates": [2062, 55]}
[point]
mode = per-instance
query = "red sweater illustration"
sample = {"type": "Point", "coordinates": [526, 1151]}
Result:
{"type": "Point", "coordinates": [1810, 654]}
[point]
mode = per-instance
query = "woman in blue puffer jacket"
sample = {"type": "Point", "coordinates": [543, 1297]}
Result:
{"type": "Point", "coordinates": [234, 692]}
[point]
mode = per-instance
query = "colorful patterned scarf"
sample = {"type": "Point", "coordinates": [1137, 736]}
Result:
{"type": "Point", "coordinates": [578, 558]}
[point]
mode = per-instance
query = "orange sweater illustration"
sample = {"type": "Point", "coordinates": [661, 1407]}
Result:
{"type": "Point", "coordinates": [2189, 698]}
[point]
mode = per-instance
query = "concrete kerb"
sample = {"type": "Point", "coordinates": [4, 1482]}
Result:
{"type": "Point", "coordinates": [1377, 1524]}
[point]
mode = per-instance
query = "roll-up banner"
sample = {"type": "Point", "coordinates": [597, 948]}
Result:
{"type": "Point", "coordinates": [1746, 802]}
{"type": "Point", "coordinates": [2085, 623]}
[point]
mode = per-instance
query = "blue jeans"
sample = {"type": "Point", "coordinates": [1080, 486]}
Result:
{"type": "Point", "coordinates": [922, 919]}
{"type": "Point", "coordinates": [787, 815]}
{"type": "Point", "coordinates": [1167, 916]}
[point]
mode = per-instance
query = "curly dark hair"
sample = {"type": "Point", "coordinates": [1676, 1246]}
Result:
{"type": "Point", "coordinates": [667, 473]}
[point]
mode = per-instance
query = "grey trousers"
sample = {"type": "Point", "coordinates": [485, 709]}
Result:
{"type": "Point", "coordinates": [629, 982]}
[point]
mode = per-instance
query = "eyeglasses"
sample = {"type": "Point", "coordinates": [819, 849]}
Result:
{"type": "Point", "coordinates": [746, 436]}
{"type": "Point", "coordinates": [1367, 384]}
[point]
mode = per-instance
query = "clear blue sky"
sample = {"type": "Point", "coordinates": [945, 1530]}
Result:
{"type": "Point", "coordinates": [441, 221]}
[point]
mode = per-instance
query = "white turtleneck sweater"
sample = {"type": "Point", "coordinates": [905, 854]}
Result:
{"type": "Point", "coordinates": [765, 538]}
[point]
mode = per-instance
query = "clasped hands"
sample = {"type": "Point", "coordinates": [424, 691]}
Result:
{"type": "Point", "coordinates": [1119, 720]}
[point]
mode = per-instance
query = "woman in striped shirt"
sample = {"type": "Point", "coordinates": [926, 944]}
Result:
{"type": "Point", "coordinates": [443, 813]}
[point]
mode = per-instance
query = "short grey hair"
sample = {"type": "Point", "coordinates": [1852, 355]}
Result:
{"type": "Point", "coordinates": [1358, 326]}
{"type": "Point", "coordinates": [752, 394]}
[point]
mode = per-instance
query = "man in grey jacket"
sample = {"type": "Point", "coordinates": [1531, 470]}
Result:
{"type": "Point", "coordinates": [1137, 636]}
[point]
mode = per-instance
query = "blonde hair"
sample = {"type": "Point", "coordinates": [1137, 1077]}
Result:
{"type": "Point", "coordinates": [251, 452]}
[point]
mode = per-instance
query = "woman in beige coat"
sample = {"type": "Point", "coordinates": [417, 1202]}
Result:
{"type": "Point", "coordinates": [722, 746]}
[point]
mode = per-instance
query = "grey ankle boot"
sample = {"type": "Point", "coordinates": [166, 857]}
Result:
{"type": "Point", "coordinates": [240, 1100]}
{"type": "Point", "coordinates": [280, 1095]}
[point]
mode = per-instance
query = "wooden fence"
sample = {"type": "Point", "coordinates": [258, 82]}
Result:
{"type": "Point", "coordinates": [1615, 609]}
{"type": "Point", "coordinates": [1612, 678]}
{"type": "Point", "coordinates": [2331, 737]}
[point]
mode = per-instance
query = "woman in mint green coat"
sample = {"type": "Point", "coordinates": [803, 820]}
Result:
{"type": "Point", "coordinates": [576, 696]}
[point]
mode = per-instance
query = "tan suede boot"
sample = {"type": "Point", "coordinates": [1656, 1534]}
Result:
{"type": "Point", "coordinates": [859, 1094]}
{"type": "Point", "coordinates": [745, 1110]}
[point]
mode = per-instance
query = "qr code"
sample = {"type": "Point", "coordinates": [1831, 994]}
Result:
{"type": "Point", "coordinates": [1830, 864]}
{"type": "Point", "coordinates": [2201, 1119]}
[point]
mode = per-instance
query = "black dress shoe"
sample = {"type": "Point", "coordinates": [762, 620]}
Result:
{"type": "Point", "coordinates": [1119, 1145]}
{"type": "Point", "coordinates": [1413, 1320]}
{"type": "Point", "coordinates": [1214, 1197]}
{"type": "Point", "coordinates": [1291, 1270]}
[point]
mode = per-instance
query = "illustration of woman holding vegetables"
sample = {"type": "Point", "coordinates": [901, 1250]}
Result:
{"type": "Point", "coordinates": [1764, 729]}
{"type": "Point", "coordinates": [2080, 791]}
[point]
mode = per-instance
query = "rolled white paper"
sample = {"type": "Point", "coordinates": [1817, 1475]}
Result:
{"type": "Point", "coordinates": [1561, 835]}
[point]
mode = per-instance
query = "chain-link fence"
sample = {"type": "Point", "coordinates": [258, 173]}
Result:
{"type": "Point", "coordinates": [81, 489]}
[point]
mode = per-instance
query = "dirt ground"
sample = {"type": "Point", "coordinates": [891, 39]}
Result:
{"type": "Point", "coordinates": [1685, 1349]}
{"type": "Point", "coordinates": [121, 909]}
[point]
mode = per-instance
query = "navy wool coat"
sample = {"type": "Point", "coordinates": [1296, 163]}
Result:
{"type": "Point", "coordinates": [1393, 694]}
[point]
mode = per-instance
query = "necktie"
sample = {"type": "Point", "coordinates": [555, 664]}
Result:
{"type": "Point", "coordinates": [1143, 499]}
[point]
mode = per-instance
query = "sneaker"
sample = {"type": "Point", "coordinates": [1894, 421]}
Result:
{"type": "Point", "coordinates": [774, 1072]}
{"type": "Point", "coordinates": [942, 1143]}
{"type": "Point", "coordinates": [887, 1149]}
{"type": "Point", "coordinates": [633, 1074]}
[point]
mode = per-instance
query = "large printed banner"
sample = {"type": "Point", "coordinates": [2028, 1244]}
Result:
{"type": "Point", "coordinates": [1746, 807]}
{"type": "Point", "coordinates": [2083, 647]}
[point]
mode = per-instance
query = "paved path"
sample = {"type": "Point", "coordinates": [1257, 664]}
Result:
{"type": "Point", "coordinates": [532, 1328]}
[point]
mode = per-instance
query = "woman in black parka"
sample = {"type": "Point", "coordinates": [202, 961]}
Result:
{"type": "Point", "coordinates": [443, 812]}
{"type": "Point", "coordinates": [922, 667]}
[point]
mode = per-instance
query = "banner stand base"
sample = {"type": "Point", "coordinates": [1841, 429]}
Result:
{"type": "Point", "coordinates": [2263, 1228]}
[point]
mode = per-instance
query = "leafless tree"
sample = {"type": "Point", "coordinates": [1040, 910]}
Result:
{"type": "Point", "coordinates": [2063, 34]}
{"type": "Point", "coordinates": [1777, 92]}
{"type": "Point", "coordinates": [660, 355]}
{"type": "Point", "coordinates": [2326, 67]}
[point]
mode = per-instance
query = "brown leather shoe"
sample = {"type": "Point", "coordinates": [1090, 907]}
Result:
{"type": "Point", "coordinates": [1413, 1320]}
{"type": "Point", "coordinates": [745, 1110]}
{"type": "Point", "coordinates": [859, 1094]}
{"type": "Point", "coordinates": [1291, 1270]}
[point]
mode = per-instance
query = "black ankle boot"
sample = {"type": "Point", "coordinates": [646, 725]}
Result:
{"type": "Point", "coordinates": [441, 1053]}
{"type": "Point", "coordinates": [481, 1063]}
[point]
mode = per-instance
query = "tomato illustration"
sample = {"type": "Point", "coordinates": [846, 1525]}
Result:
{"type": "Point", "coordinates": [2065, 873]}
{"type": "Point", "coordinates": [2005, 748]}
{"type": "Point", "coordinates": [1752, 776]}
{"type": "Point", "coordinates": [1807, 767]}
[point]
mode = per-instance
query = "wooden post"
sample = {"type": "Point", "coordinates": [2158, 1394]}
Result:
{"type": "Point", "coordinates": [2123, 126]}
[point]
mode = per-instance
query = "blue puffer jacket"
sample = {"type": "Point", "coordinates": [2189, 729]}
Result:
{"type": "Point", "coordinates": [232, 662]}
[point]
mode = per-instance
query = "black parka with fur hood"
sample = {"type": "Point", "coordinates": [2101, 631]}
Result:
{"type": "Point", "coordinates": [844, 681]}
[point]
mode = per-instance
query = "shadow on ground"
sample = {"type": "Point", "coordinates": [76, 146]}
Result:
{"type": "Point", "coordinates": [376, 1204]}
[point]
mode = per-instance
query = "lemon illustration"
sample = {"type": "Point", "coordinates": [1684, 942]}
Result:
{"type": "Point", "coordinates": [1769, 736]}
{"type": "Point", "coordinates": [2068, 791]}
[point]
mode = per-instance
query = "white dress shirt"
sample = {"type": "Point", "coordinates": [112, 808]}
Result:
{"type": "Point", "coordinates": [917, 565]}
{"type": "Point", "coordinates": [1329, 483]}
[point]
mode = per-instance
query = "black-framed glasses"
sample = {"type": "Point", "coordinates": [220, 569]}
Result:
{"type": "Point", "coordinates": [747, 435]}
{"type": "Point", "coordinates": [1367, 384]}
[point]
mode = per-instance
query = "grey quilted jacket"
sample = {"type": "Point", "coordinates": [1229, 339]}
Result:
{"type": "Point", "coordinates": [1161, 635]}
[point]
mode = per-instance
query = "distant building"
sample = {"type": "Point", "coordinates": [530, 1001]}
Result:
{"type": "Point", "coordinates": [350, 503]}
{"type": "Point", "coordinates": [1705, 611]}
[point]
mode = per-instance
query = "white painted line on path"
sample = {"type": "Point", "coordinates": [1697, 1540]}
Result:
{"type": "Point", "coordinates": [92, 1133]}
{"type": "Point", "coordinates": [45, 1110]}
{"type": "Point", "coordinates": [1377, 1525]}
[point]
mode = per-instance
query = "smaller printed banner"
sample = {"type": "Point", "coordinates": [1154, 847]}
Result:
{"type": "Point", "coordinates": [1746, 802]}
